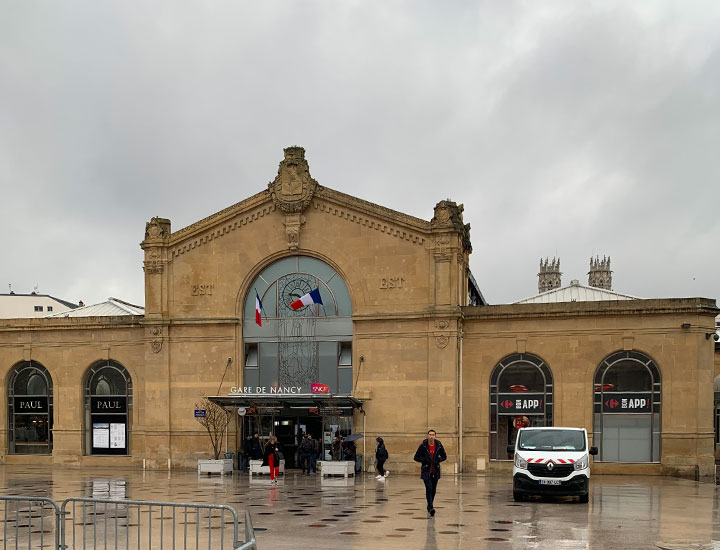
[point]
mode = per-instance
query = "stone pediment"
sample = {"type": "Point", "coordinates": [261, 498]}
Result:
{"type": "Point", "coordinates": [292, 193]}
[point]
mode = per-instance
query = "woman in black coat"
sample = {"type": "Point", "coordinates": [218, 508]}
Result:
{"type": "Point", "coordinates": [271, 458]}
{"type": "Point", "coordinates": [381, 455]}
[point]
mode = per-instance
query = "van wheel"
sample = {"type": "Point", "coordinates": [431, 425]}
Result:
{"type": "Point", "coordinates": [517, 497]}
{"type": "Point", "coordinates": [584, 498]}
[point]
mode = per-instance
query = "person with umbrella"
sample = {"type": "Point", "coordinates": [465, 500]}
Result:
{"type": "Point", "coordinates": [349, 450]}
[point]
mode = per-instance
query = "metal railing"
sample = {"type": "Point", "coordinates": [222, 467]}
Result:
{"type": "Point", "coordinates": [29, 522]}
{"type": "Point", "coordinates": [32, 522]}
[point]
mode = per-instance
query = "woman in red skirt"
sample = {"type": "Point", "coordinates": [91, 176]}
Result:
{"type": "Point", "coordinates": [271, 458]}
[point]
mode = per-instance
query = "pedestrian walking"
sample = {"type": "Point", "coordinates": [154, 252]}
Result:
{"type": "Point", "coordinates": [305, 451]}
{"type": "Point", "coordinates": [271, 458]}
{"type": "Point", "coordinates": [381, 455]}
{"type": "Point", "coordinates": [430, 454]}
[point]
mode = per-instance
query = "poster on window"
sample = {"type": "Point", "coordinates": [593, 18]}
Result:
{"type": "Point", "coordinates": [101, 435]}
{"type": "Point", "coordinates": [117, 436]}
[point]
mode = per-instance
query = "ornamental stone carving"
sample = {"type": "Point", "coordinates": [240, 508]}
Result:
{"type": "Point", "coordinates": [442, 252]}
{"type": "Point", "coordinates": [157, 229]}
{"type": "Point", "coordinates": [293, 222]}
{"type": "Point", "coordinates": [442, 341]}
{"type": "Point", "coordinates": [450, 215]}
{"type": "Point", "coordinates": [293, 188]}
{"type": "Point", "coordinates": [156, 346]}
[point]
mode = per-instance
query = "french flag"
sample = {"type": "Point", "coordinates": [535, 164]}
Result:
{"type": "Point", "coordinates": [258, 309]}
{"type": "Point", "coordinates": [312, 297]}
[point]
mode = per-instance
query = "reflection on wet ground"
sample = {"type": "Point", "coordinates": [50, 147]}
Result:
{"type": "Point", "coordinates": [472, 512]}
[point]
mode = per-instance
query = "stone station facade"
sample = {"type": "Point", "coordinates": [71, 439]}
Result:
{"type": "Point", "coordinates": [395, 331]}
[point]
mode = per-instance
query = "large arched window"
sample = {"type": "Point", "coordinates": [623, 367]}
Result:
{"type": "Point", "coordinates": [298, 344]}
{"type": "Point", "coordinates": [627, 406]}
{"type": "Point", "coordinates": [30, 409]}
{"type": "Point", "coordinates": [108, 402]}
{"type": "Point", "coordinates": [521, 395]}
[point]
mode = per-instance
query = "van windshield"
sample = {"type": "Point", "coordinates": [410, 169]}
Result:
{"type": "Point", "coordinates": [551, 440]}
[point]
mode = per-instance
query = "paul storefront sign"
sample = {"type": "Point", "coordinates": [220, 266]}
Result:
{"type": "Point", "coordinates": [34, 404]}
{"type": "Point", "coordinates": [626, 403]}
{"type": "Point", "coordinates": [108, 404]}
{"type": "Point", "coordinates": [512, 403]}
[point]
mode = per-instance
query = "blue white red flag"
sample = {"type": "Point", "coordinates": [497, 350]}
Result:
{"type": "Point", "coordinates": [312, 297]}
{"type": "Point", "coordinates": [258, 309]}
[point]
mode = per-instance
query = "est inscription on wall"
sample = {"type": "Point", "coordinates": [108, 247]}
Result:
{"type": "Point", "coordinates": [202, 289]}
{"type": "Point", "coordinates": [387, 283]}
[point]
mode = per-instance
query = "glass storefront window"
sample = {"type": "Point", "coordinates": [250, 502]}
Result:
{"type": "Point", "coordinates": [108, 401]}
{"type": "Point", "coordinates": [298, 344]}
{"type": "Point", "coordinates": [30, 409]}
{"type": "Point", "coordinates": [627, 408]}
{"type": "Point", "coordinates": [521, 395]}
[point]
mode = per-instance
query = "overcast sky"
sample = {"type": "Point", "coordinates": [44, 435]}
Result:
{"type": "Point", "coordinates": [567, 129]}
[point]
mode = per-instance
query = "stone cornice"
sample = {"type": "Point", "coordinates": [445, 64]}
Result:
{"type": "Point", "coordinates": [374, 210]}
{"type": "Point", "coordinates": [330, 201]}
{"type": "Point", "coordinates": [693, 306]}
{"type": "Point", "coordinates": [72, 323]}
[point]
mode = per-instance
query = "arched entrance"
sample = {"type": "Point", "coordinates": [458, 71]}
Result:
{"type": "Point", "coordinates": [30, 409]}
{"type": "Point", "coordinates": [301, 346]}
{"type": "Point", "coordinates": [627, 406]}
{"type": "Point", "coordinates": [521, 395]}
{"type": "Point", "coordinates": [108, 402]}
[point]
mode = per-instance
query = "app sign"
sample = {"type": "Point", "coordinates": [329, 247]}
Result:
{"type": "Point", "coordinates": [512, 403]}
{"type": "Point", "coordinates": [627, 403]}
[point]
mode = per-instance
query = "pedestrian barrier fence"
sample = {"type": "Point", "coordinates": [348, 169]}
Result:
{"type": "Point", "coordinates": [92, 523]}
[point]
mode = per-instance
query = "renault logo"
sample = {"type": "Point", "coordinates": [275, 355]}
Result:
{"type": "Point", "coordinates": [550, 466]}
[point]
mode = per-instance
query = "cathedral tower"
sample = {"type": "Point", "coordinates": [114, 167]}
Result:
{"type": "Point", "coordinates": [549, 276]}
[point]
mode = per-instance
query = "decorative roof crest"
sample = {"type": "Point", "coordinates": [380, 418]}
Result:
{"type": "Point", "coordinates": [293, 188]}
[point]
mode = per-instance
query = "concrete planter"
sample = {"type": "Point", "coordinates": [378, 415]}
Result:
{"type": "Point", "coordinates": [220, 466]}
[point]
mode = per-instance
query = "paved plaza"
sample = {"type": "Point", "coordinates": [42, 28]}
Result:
{"type": "Point", "coordinates": [472, 511]}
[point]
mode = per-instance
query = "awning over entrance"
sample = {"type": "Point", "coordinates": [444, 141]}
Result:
{"type": "Point", "coordinates": [325, 404]}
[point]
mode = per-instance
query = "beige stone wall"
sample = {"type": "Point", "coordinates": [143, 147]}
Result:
{"type": "Point", "coordinates": [67, 348]}
{"type": "Point", "coordinates": [573, 339]}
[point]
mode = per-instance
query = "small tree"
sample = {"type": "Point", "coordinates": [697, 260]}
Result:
{"type": "Point", "coordinates": [215, 421]}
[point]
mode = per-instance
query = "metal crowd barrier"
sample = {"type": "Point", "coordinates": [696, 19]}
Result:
{"type": "Point", "coordinates": [92, 523]}
{"type": "Point", "coordinates": [29, 522]}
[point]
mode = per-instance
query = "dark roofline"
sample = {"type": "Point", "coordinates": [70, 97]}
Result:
{"type": "Point", "coordinates": [63, 302]}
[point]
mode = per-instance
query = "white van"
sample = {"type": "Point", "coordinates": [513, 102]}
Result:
{"type": "Point", "coordinates": [552, 461]}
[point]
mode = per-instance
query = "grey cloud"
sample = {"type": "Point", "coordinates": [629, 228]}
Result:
{"type": "Point", "coordinates": [565, 129]}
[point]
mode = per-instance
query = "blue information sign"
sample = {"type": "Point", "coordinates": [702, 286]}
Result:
{"type": "Point", "coordinates": [200, 413]}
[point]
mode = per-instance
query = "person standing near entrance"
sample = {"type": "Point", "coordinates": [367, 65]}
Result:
{"type": "Point", "coordinates": [430, 454]}
{"type": "Point", "coordinates": [257, 448]}
{"type": "Point", "coordinates": [381, 455]}
{"type": "Point", "coordinates": [305, 452]}
{"type": "Point", "coordinates": [315, 453]}
{"type": "Point", "coordinates": [271, 458]}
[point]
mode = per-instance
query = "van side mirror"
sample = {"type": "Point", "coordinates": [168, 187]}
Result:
{"type": "Point", "coordinates": [510, 449]}
{"type": "Point", "coordinates": [593, 451]}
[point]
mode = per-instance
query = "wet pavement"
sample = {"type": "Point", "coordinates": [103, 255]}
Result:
{"type": "Point", "coordinates": [472, 512]}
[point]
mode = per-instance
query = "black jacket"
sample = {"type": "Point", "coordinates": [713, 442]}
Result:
{"type": "Point", "coordinates": [381, 453]}
{"type": "Point", "coordinates": [422, 455]}
{"type": "Point", "coordinates": [271, 450]}
{"type": "Point", "coordinates": [306, 447]}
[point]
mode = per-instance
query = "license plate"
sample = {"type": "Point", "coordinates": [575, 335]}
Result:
{"type": "Point", "coordinates": [549, 482]}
